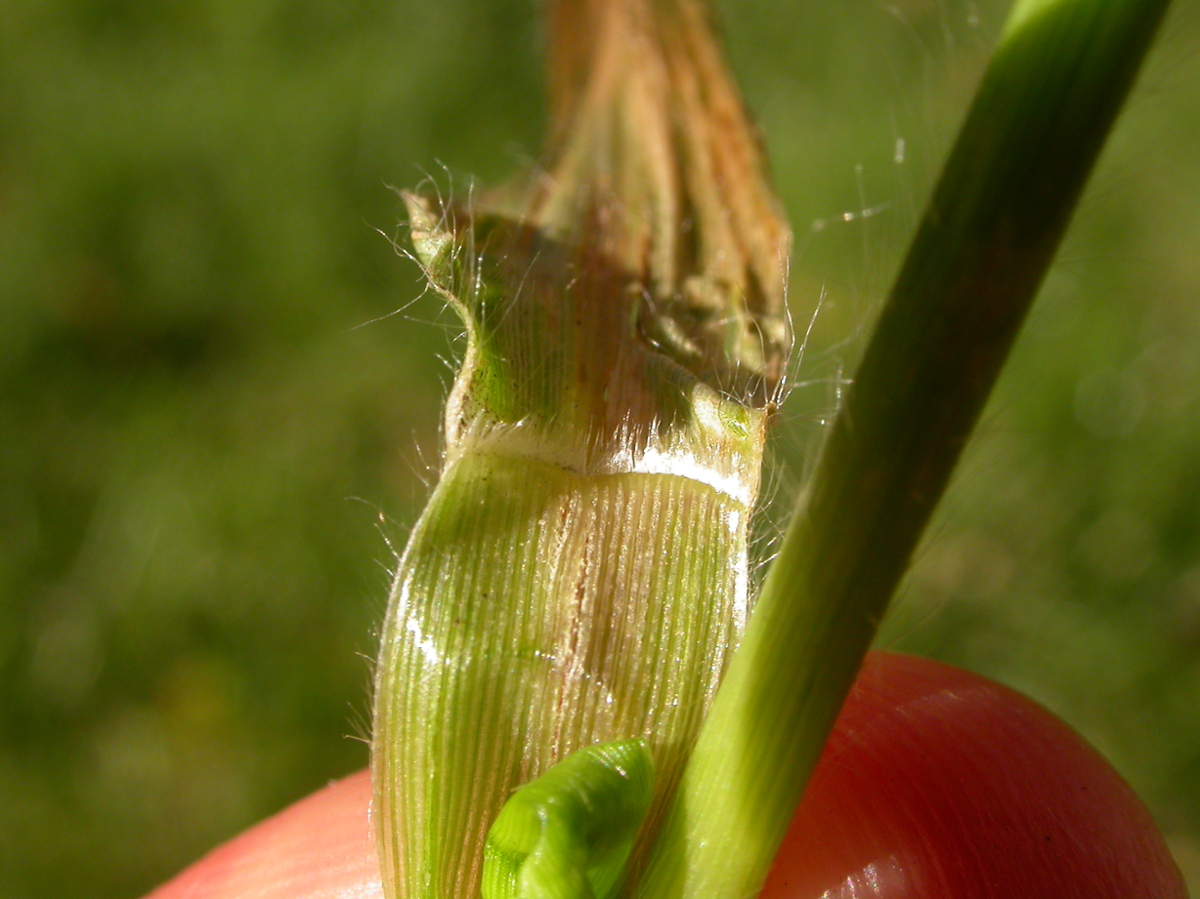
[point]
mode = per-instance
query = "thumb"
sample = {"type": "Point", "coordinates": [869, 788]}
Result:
{"type": "Point", "coordinates": [320, 848]}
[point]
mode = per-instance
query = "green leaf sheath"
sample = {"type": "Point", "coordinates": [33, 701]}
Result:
{"type": "Point", "coordinates": [568, 834]}
{"type": "Point", "coordinates": [987, 237]}
{"type": "Point", "coordinates": [581, 571]}
{"type": "Point", "coordinates": [536, 612]}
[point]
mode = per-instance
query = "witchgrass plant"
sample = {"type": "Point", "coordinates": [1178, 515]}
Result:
{"type": "Point", "coordinates": [580, 576]}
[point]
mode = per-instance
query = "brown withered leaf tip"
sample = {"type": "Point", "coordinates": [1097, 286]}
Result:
{"type": "Point", "coordinates": [652, 162]}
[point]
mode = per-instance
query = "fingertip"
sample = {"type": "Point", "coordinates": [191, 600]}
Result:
{"type": "Point", "coordinates": [322, 847]}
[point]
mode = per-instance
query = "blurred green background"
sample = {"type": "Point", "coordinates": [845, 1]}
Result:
{"type": "Point", "coordinates": [213, 428]}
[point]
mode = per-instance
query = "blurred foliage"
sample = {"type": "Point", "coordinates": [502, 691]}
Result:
{"type": "Point", "coordinates": [212, 423]}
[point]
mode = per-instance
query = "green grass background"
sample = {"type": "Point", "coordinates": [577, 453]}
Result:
{"type": "Point", "coordinates": [207, 440]}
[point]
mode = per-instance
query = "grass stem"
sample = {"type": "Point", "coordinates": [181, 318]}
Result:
{"type": "Point", "coordinates": [1047, 101]}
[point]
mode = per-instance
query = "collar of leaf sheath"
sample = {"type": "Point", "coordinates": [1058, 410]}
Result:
{"type": "Point", "coordinates": [559, 368]}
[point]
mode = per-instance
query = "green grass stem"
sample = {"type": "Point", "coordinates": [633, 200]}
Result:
{"type": "Point", "coordinates": [998, 213]}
